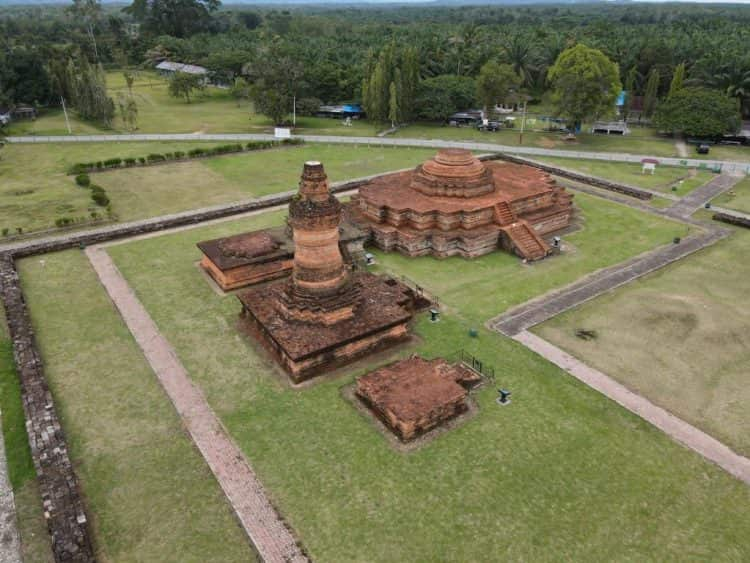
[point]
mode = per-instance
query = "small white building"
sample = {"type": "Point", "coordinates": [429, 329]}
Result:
{"type": "Point", "coordinates": [168, 68]}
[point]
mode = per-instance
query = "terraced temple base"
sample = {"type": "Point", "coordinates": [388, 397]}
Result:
{"type": "Point", "coordinates": [455, 204]}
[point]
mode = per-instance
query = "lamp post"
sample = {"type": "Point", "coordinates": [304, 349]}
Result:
{"type": "Point", "coordinates": [523, 124]}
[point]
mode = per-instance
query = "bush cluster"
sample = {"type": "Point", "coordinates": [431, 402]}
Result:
{"type": "Point", "coordinates": [198, 152]}
{"type": "Point", "coordinates": [83, 180]}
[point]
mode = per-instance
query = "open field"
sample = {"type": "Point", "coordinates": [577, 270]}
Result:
{"type": "Point", "coordinates": [149, 493]}
{"type": "Point", "coordinates": [642, 141]}
{"type": "Point", "coordinates": [678, 337]}
{"type": "Point", "coordinates": [561, 471]}
{"type": "Point", "coordinates": [737, 198]}
{"type": "Point", "coordinates": [213, 111]}
{"type": "Point", "coordinates": [36, 189]}
{"type": "Point", "coordinates": [630, 173]}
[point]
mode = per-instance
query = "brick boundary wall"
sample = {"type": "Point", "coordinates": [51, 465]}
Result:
{"type": "Point", "coordinates": [732, 219]}
{"type": "Point", "coordinates": [61, 499]}
{"type": "Point", "coordinates": [578, 177]}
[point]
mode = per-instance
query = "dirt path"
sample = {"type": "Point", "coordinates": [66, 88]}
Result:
{"type": "Point", "coordinates": [10, 544]}
{"type": "Point", "coordinates": [674, 427]}
{"type": "Point", "coordinates": [682, 149]}
{"type": "Point", "coordinates": [265, 528]}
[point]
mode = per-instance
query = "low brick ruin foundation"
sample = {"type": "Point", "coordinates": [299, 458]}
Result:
{"type": "Point", "coordinates": [415, 395]}
{"type": "Point", "coordinates": [61, 500]}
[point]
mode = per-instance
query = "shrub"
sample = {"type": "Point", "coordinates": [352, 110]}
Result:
{"type": "Point", "coordinates": [169, 155]}
{"type": "Point", "coordinates": [130, 161]}
{"type": "Point", "coordinates": [142, 160]}
{"type": "Point", "coordinates": [6, 230]}
{"type": "Point", "coordinates": [79, 168]}
{"type": "Point", "coordinates": [19, 230]}
{"type": "Point", "coordinates": [196, 152]}
{"type": "Point", "coordinates": [112, 162]}
{"type": "Point", "coordinates": [83, 180]}
{"type": "Point", "coordinates": [179, 154]}
{"type": "Point", "coordinates": [155, 157]}
{"type": "Point", "coordinates": [94, 215]}
{"type": "Point", "coordinates": [100, 164]}
{"type": "Point", "coordinates": [64, 221]}
{"type": "Point", "coordinates": [99, 196]}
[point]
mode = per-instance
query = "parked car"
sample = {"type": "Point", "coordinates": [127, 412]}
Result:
{"type": "Point", "coordinates": [703, 148]}
{"type": "Point", "coordinates": [489, 126]}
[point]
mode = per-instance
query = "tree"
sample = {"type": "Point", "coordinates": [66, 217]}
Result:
{"type": "Point", "coordinates": [698, 112]}
{"type": "Point", "coordinates": [393, 111]}
{"type": "Point", "coordinates": [652, 92]}
{"type": "Point", "coordinates": [678, 80]}
{"type": "Point", "coordinates": [441, 96]}
{"type": "Point", "coordinates": [585, 84]}
{"type": "Point", "coordinates": [178, 18]}
{"type": "Point", "coordinates": [277, 80]}
{"type": "Point", "coordinates": [496, 84]}
{"type": "Point", "coordinates": [182, 85]}
{"type": "Point", "coordinates": [394, 64]}
{"type": "Point", "coordinates": [88, 12]}
{"type": "Point", "coordinates": [240, 90]}
{"type": "Point", "coordinates": [630, 88]}
{"type": "Point", "coordinates": [128, 111]}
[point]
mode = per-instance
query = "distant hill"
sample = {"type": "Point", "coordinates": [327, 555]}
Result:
{"type": "Point", "coordinates": [332, 2]}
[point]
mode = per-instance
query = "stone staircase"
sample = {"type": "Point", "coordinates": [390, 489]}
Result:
{"type": "Point", "coordinates": [526, 243]}
{"type": "Point", "coordinates": [503, 214]}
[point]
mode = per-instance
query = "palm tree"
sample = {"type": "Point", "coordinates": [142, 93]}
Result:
{"type": "Point", "coordinates": [519, 51]}
{"type": "Point", "coordinates": [734, 80]}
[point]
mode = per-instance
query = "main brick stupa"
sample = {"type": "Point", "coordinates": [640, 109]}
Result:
{"type": "Point", "coordinates": [455, 204]}
{"type": "Point", "coordinates": [325, 314]}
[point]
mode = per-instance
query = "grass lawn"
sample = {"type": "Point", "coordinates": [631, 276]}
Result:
{"type": "Point", "coordinates": [678, 337]}
{"type": "Point", "coordinates": [36, 190]}
{"type": "Point", "coordinates": [563, 471]}
{"type": "Point", "coordinates": [150, 495]}
{"type": "Point", "coordinates": [641, 143]}
{"type": "Point", "coordinates": [630, 173]}
{"type": "Point", "coordinates": [213, 111]}
{"type": "Point", "coordinates": [737, 198]}
{"type": "Point", "coordinates": [723, 152]}
{"type": "Point", "coordinates": [156, 190]}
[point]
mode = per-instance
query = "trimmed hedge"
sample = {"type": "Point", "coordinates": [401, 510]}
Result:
{"type": "Point", "coordinates": [83, 180]}
{"type": "Point", "coordinates": [198, 152]}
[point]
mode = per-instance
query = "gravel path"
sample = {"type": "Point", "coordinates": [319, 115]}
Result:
{"type": "Point", "coordinates": [268, 533]}
{"type": "Point", "coordinates": [696, 199]}
{"type": "Point", "coordinates": [10, 543]}
{"type": "Point", "coordinates": [677, 428]}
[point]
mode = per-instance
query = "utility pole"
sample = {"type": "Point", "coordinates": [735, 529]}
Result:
{"type": "Point", "coordinates": [523, 124]}
{"type": "Point", "coordinates": [65, 112]}
{"type": "Point", "coordinates": [294, 111]}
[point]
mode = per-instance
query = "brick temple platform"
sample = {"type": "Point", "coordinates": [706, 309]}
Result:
{"type": "Point", "coordinates": [324, 315]}
{"type": "Point", "coordinates": [455, 204]}
{"type": "Point", "coordinates": [415, 395]}
{"type": "Point", "coordinates": [259, 256]}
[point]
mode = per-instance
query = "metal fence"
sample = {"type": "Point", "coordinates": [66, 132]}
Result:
{"type": "Point", "coordinates": [475, 364]}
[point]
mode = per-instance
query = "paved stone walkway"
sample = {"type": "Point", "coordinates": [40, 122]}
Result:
{"type": "Point", "coordinates": [10, 543]}
{"type": "Point", "coordinates": [677, 428]}
{"type": "Point", "coordinates": [696, 199]}
{"type": "Point", "coordinates": [268, 533]}
{"type": "Point", "coordinates": [547, 306]}
{"type": "Point", "coordinates": [743, 167]}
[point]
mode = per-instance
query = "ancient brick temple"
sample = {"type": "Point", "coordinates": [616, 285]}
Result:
{"type": "Point", "coordinates": [454, 204]}
{"type": "Point", "coordinates": [325, 314]}
{"type": "Point", "coordinates": [415, 395]}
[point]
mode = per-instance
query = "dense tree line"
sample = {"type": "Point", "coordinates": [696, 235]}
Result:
{"type": "Point", "coordinates": [333, 54]}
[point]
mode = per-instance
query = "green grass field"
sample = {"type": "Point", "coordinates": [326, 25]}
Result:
{"type": "Point", "coordinates": [678, 337]}
{"type": "Point", "coordinates": [36, 190]}
{"type": "Point", "coordinates": [737, 198]}
{"type": "Point", "coordinates": [641, 142]}
{"type": "Point", "coordinates": [150, 495]}
{"type": "Point", "coordinates": [662, 180]}
{"type": "Point", "coordinates": [562, 471]}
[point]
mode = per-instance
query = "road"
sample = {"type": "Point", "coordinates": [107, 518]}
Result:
{"type": "Point", "coordinates": [726, 166]}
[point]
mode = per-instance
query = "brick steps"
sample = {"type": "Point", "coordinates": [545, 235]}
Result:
{"type": "Point", "coordinates": [526, 243]}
